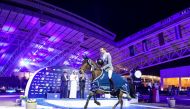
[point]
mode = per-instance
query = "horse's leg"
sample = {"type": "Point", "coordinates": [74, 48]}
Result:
{"type": "Point", "coordinates": [116, 104]}
{"type": "Point", "coordinates": [95, 99]}
{"type": "Point", "coordinates": [97, 92]}
{"type": "Point", "coordinates": [120, 100]}
{"type": "Point", "coordinates": [88, 99]}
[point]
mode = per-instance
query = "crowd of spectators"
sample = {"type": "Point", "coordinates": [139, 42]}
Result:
{"type": "Point", "coordinates": [12, 83]}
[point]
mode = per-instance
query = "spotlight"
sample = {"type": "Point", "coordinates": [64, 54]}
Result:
{"type": "Point", "coordinates": [24, 62]}
{"type": "Point", "coordinates": [135, 76]}
{"type": "Point", "coordinates": [8, 29]}
{"type": "Point", "coordinates": [138, 74]}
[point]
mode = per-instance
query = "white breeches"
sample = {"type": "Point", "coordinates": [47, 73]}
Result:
{"type": "Point", "coordinates": [110, 73]}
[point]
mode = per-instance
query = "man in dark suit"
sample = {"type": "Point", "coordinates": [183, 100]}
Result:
{"type": "Point", "coordinates": [82, 81]}
{"type": "Point", "coordinates": [64, 85]}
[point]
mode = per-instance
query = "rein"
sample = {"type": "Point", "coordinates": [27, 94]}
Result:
{"type": "Point", "coordinates": [93, 67]}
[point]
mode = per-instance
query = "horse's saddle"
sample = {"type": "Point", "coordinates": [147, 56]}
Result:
{"type": "Point", "coordinates": [102, 82]}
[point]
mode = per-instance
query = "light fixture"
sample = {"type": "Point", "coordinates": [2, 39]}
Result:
{"type": "Point", "coordinates": [24, 62]}
{"type": "Point", "coordinates": [8, 29]}
{"type": "Point", "coordinates": [138, 74]}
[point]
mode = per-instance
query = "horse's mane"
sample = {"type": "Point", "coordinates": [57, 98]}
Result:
{"type": "Point", "coordinates": [93, 62]}
{"type": "Point", "coordinates": [96, 64]}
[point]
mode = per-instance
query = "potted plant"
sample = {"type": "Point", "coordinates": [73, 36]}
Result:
{"type": "Point", "coordinates": [171, 102]}
{"type": "Point", "coordinates": [23, 100]}
{"type": "Point", "coordinates": [22, 97]}
{"type": "Point", "coordinates": [31, 104]}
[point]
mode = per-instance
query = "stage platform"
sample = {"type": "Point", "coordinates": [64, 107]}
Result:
{"type": "Point", "coordinates": [79, 103]}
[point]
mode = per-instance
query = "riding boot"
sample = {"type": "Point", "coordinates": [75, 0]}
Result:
{"type": "Point", "coordinates": [112, 88]}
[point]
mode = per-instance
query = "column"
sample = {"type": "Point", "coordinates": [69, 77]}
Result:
{"type": "Point", "coordinates": [180, 83]}
{"type": "Point", "coordinates": [161, 38]}
{"type": "Point", "coordinates": [144, 44]}
{"type": "Point", "coordinates": [178, 32]}
{"type": "Point", "coordinates": [132, 50]}
{"type": "Point", "coordinates": [161, 84]}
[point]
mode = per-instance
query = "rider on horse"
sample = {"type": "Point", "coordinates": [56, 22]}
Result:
{"type": "Point", "coordinates": [106, 64]}
{"type": "Point", "coordinates": [99, 80]}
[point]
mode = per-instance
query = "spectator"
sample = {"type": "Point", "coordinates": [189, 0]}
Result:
{"type": "Point", "coordinates": [64, 85]}
{"type": "Point", "coordinates": [73, 88]}
{"type": "Point", "coordinates": [82, 81]}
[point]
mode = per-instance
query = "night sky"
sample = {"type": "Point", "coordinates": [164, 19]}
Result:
{"type": "Point", "coordinates": [123, 17]}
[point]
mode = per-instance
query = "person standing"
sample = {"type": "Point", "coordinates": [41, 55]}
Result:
{"type": "Point", "coordinates": [157, 92]}
{"type": "Point", "coordinates": [73, 87]}
{"type": "Point", "coordinates": [82, 81]}
{"type": "Point", "coordinates": [149, 88]}
{"type": "Point", "coordinates": [64, 85]}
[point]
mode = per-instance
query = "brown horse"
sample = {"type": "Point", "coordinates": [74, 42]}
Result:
{"type": "Point", "coordinates": [88, 64]}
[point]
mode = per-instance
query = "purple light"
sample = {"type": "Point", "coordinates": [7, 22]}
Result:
{"type": "Point", "coordinates": [8, 29]}
{"type": "Point", "coordinates": [37, 87]}
{"type": "Point", "coordinates": [1, 67]}
{"type": "Point", "coordinates": [16, 70]}
{"type": "Point", "coordinates": [38, 59]}
{"type": "Point", "coordinates": [34, 54]}
{"type": "Point", "coordinates": [2, 50]}
{"type": "Point", "coordinates": [73, 57]}
{"type": "Point", "coordinates": [24, 62]}
{"type": "Point", "coordinates": [3, 44]}
{"type": "Point", "coordinates": [42, 54]}
{"type": "Point", "coordinates": [11, 91]}
{"type": "Point", "coordinates": [44, 43]}
{"type": "Point", "coordinates": [50, 49]}
{"type": "Point", "coordinates": [86, 52]}
{"type": "Point", "coordinates": [75, 60]}
{"type": "Point", "coordinates": [3, 56]}
{"type": "Point", "coordinates": [52, 38]}
{"type": "Point", "coordinates": [57, 40]}
{"type": "Point", "coordinates": [49, 25]}
{"type": "Point", "coordinates": [66, 63]}
{"type": "Point", "coordinates": [78, 62]}
{"type": "Point", "coordinates": [34, 20]}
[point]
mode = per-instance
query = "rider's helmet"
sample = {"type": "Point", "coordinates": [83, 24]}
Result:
{"type": "Point", "coordinates": [100, 62]}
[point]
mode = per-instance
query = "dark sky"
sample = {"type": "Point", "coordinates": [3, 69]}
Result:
{"type": "Point", "coordinates": [123, 17]}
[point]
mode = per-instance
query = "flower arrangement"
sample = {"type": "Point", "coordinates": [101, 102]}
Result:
{"type": "Point", "coordinates": [27, 100]}
{"type": "Point", "coordinates": [31, 101]}
{"type": "Point", "coordinates": [31, 104]}
{"type": "Point", "coordinates": [22, 97]}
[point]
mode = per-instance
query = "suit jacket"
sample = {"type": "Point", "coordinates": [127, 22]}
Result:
{"type": "Point", "coordinates": [64, 80]}
{"type": "Point", "coordinates": [106, 57]}
{"type": "Point", "coordinates": [82, 82]}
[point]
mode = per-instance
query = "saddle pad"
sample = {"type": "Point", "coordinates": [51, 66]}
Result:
{"type": "Point", "coordinates": [102, 82]}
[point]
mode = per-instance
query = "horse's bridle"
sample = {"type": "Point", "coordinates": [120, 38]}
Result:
{"type": "Point", "coordinates": [92, 67]}
{"type": "Point", "coordinates": [89, 62]}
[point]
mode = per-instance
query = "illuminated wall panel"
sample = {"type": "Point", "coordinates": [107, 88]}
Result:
{"type": "Point", "coordinates": [48, 80]}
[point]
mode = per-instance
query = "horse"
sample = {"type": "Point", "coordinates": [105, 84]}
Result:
{"type": "Point", "coordinates": [96, 71]}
